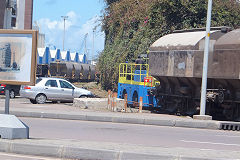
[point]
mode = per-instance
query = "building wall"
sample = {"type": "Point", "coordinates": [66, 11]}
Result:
{"type": "Point", "coordinates": [41, 40]}
{"type": "Point", "coordinates": [2, 12]}
{"type": "Point", "coordinates": [24, 9]}
{"type": "Point", "coordinates": [28, 14]}
{"type": "Point", "coordinates": [20, 14]}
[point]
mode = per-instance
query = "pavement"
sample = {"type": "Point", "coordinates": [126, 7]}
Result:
{"type": "Point", "coordinates": [89, 150]}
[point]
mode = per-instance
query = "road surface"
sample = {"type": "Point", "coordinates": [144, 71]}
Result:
{"type": "Point", "coordinates": [147, 135]}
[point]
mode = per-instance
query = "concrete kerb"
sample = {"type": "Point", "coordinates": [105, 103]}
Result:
{"type": "Point", "coordinates": [85, 153]}
{"type": "Point", "coordinates": [50, 115]}
{"type": "Point", "coordinates": [203, 124]}
{"type": "Point", "coordinates": [160, 122]}
{"type": "Point", "coordinates": [130, 120]}
{"type": "Point", "coordinates": [106, 151]}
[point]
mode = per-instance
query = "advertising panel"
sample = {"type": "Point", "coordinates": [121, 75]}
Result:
{"type": "Point", "coordinates": [18, 50]}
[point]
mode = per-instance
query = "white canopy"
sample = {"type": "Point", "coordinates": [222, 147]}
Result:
{"type": "Point", "coordinates": [63, 54]}
{"type": "Point", "coordinates": [72, 55]}
{"type": "Point", "coordinates": [81, 56]}
{"type": "Point", "coordinates": [41, 52]}
{"type": "Point", "coordinates": [53, 53]}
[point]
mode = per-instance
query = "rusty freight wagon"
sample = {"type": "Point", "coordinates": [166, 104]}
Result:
{"type": "Point", "coordinates": [74, 72]}
{"type": "Point", "coordinates": [176, 60]}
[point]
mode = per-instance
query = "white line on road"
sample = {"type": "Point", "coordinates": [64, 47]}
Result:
{"type": "Point", "coordinates": [26, 156]}
{"type": "Point", "coordinates": [225, 144]}
{"type": "Point", "coordinates": [228, 136]}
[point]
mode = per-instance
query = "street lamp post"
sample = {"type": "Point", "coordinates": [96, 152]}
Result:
{"type": "Point", "coordinates": [93, 44]}
{"type": "Point", "coordinates": [64, 19]}
{"type": "Point", "coordinates": [205, 61]}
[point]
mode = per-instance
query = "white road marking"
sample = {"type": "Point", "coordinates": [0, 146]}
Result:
{"type": "Point", "coordinates": [203, 149]}
{"type": "Point", "coordinates": [225, 144]}
{"type": "Point", "coordinates": [26, 156]}
{"type": "Point", "coordinates": [228, 136]}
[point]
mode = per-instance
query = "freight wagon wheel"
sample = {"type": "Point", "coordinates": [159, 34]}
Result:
{"type": "Point", "coordinates": [192, 107]}
{"type": "Point", "coordinates": [135, 99]}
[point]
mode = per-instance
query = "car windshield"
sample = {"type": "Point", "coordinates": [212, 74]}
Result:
{"type": "Point", "coordinates": [38, 80]}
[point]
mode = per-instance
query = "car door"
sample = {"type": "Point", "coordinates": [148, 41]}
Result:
{"type": "Point", "coordinates": [67, 90]}
{"type": "Point", "coordinates": [52, 90]}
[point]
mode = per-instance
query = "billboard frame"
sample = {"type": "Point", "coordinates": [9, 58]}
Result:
{"type": "Point", "coordinates": [33, 55]}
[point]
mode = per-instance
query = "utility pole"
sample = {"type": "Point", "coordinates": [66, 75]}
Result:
{"type": "Point", "coordinates": [64, 19]}
{"type": "Point", "coordinates": [93, 43]}
{"type": "Point", "coordinates": [205, 61]}
{"type": "Point", "coordinates": [85, 48]}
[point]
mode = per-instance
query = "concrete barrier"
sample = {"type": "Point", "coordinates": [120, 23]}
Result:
{"type": "Point", "coordinates": [108, 151]}
{"type": "Point", "coordinates": [206, 124]}
{"type": "Point", "coordinates": [12, 128]}
{"type": "Point", "coordinates": [97, 103]}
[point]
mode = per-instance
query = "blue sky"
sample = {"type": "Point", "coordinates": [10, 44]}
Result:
{"type": "Point", "coordinates": [83, 16]}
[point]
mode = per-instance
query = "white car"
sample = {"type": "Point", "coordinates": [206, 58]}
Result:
{"type": "Point", "coordinates": [53, 89]}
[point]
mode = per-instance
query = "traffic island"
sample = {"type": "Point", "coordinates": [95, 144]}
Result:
{"type": "Point", "coordinates": [12, 128]}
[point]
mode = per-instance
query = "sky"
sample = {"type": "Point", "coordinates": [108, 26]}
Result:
{"type": "Point", "coordinates": [83, 17]}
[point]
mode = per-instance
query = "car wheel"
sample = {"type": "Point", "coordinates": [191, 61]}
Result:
{"type": "Point", "coordinates": [41, 99]}
{"type": "Point", "coordinates": [12, 94]}
{"type": "Point", "coordinates": [33, 101]}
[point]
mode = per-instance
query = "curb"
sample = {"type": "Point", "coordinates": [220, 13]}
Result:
{"type": "Point", "coordinates": [60, 149]}
{"type": "Point", "coordinates": [187, 123]}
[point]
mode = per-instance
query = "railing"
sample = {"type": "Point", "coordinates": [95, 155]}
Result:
{"type": "Point", "coordinates": [133, 73]}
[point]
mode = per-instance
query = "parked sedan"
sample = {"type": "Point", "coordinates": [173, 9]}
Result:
{"type": "Point", "coordinates": [53, 89]}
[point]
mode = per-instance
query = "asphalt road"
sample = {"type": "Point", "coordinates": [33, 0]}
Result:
{"type": "Point", "coordinates": [10, 156]}
{"type": "Point", "coordinates": [157, 136]}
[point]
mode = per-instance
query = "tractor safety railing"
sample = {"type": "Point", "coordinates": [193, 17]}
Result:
{"type": "Point", "coordinates": [131, 73]}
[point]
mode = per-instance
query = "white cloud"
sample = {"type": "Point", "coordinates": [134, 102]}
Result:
{"type": "Point", "coordinates": [52, 25]}
{"type": "Point", "coordinates": [75, 32]}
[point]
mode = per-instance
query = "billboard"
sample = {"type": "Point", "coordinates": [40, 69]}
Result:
{"type": "Point", "coordinates": [18, 50]}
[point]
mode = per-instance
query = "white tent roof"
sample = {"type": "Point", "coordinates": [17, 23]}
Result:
{"type": "Point", "coordinates": [81, 56]}
{"type": "Point", "coordinates": [41, 51]}
{"type": "Point", "coordinates": [53, 53]}
{"type": "Point", "coordinates": [63, 54]}
{"type": "Point", "coordinates": [72, 55]}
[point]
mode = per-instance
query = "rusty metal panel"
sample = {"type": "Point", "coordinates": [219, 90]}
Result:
{"type": "Point", "coordinates": [231, 40]}
{"type": "Point", "coordinates": [225, 64]}
{"type": "Point", "coordinates": [158, 63]}
{"type": "Point", "coordinates": [173, 63]}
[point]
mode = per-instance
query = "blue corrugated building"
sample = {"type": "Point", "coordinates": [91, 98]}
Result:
{"type": "Point", "coordinates": [47, 55]}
